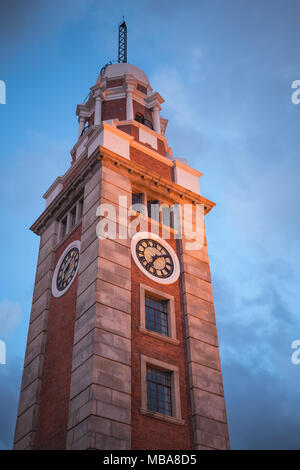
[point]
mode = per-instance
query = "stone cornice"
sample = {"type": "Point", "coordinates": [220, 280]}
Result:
{"type": "Point", "coordinates": [74, 187]}
{"type": "Point", "coordinates": [152, 153]}
{"type": "Point", "coordinates": [154, 100]}
{"type": "Point", "coordinates": [115, 130]}
{"type": "Point", "coordinates": [143, 126]}
{"type": "Point", "coordinates": [187, 168]}
{"type": "Point", "coordinates": [134, 171]}
{"type": "Point", "coordinates": [59, 180]}
{"type": "Point", "coordinates": [85, 135]}
{"type": "Point", "coordinates": [138, 173]}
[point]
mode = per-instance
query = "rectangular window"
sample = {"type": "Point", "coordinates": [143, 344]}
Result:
{"type": "Point", "coordinates": [156, 312]}
{"type": "Point", "coordinates": [80, 209]}
{"type": "Point", "coordinates": [153, 210]}
{"type": "Point", "coordinates": [63, 227]}
{"type": "Point", "coordinates": [159, 391]}
{"type": "Point", "coordinates": [138, 199]}
{"type": "Point", "coordinates": [73, 217]}
{"type": "Point", "coordinates": [171, 217]}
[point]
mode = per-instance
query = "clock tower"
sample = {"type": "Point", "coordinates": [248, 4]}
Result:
{"type": "Point", "coordinates": [122, 349]}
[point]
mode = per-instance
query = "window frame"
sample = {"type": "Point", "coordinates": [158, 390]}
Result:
{"type": "Point", "coordinates": [159, 311]}
{"type": "Point", "coordinates": [176, 417]}
{"type": "Point", "coordinates": [64, 227]}
{"type": "Point", "coordinates": [76, 208]}
{"type": "Point", "coordinates": [149, 196]}
{"type": "Point", "coordinates": [143, 202]}
{"type": "Point", "coordinates": [73, 217]}
{"type": "Point", "coordinates": [167, 405]}
{"type": "Point", "coordinates": [153, 202]}
{"type": "Point", "coordinates": [161, 295]}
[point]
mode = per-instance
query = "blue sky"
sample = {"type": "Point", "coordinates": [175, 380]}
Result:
{"type": "Point", "coordinates": [225, 70]}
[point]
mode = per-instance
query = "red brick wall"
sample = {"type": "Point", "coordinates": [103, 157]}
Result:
{"type": "Point", "coordinates": [54, 399]}
{"type": "Point", "coordinates": [114, 109]}
{"type": "Point", "coordinates": [162, 169]}
{"type": "Point", "coordinates": [148, 432]}
{"type": "Point", "coordinates": [115, 82]}
{"type": "Point", "coordinates": [131, 130]}
{"type": "Point", "coordinates": [161, 147]}
{"type": "Point", "coordinates": [134, 131]}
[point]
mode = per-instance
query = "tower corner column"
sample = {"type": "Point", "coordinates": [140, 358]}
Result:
{"type": "Point", "coordinates": [210, 430]}
{"type": "Point", "coordinates": [100, 394]}
{"type": "Point", "coordinates": [98, 107]}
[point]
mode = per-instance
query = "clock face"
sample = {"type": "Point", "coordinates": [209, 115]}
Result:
{"type": "Point", "coordinates": [155, 257]}
{"type": "Point", "coordinates": [66, 269]}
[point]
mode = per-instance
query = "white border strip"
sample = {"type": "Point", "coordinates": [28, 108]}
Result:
{"type": "Point", "coordinates": [176, 273]}
{"type": "Point", "coordinates": [55, 291]}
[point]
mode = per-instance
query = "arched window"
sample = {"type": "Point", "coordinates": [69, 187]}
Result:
{"type": "Point", "coordinates": [139, 117]}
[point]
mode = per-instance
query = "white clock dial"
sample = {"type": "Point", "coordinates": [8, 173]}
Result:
{"type": "Point", "coordinates": [155, 257]}
{"type": "Point", "coordinates": [66, 269]}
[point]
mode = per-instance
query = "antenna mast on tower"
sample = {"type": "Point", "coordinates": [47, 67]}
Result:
{"type": "Point", "coordinates": [122, 55]}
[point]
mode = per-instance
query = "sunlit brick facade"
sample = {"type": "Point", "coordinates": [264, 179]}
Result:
{"type": "Point", "coordinates": [89, 379]}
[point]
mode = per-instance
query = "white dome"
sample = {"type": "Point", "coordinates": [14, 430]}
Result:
{"type": "Point", "coordinates": [117, 70]}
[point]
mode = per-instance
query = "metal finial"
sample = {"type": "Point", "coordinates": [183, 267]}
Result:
{"type": "Point", "coordinates": [122, 55]}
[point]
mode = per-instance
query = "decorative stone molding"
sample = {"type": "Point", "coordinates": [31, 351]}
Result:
{"type": "Point", "coordinates": [172, 338]}
{"type": "Point", "coordinates": [187, 176]}
{"type": "Point", "coordinates": [176, 402]}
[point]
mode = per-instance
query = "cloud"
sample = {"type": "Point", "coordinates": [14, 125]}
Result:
{"type": "Point", "coordinates": [256, 328]}
{"type": "Point", "coordinates": [226, 80]}
{"type": "Point", "coordinates": [10, 317]}
{"type": "Point", "coordinates": [10, 378]}
{"type": "Point", "coordinates": [263, 410]}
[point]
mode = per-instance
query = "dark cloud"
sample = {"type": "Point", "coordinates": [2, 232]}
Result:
{"type": "Point", "coordinates": [261, 383]}
{"type": "Point", "coordinates": [263, 411]}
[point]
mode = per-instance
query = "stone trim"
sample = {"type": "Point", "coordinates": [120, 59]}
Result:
{"type": "Point", "coordinates": [171, 313]}
{"type": "Point", "coordinates": [100, 394]}
{"type": "Point", "coordinates": [168, 419]}
{"type": "Point", "coordinates": [176, 402]}
{"type": "Point", "coordinates": [130, 170]}
{"type": "Point", "coordinates": [137, 174]}
{"type": "Point", "coordinates": [62, 201]}
{"type": "Point", "coordinates": [158, 336]}
{"type": "Point", "coordinates": [35, 348]}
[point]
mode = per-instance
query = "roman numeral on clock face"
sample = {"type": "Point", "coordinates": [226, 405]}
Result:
{"type": "Point", "coordinates": [67, 269]}
{"type": "Point", "coordinates": [154, 258]}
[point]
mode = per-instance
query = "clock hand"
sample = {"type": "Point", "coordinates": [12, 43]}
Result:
{"type": "Point", "coordinates": [68, 268]}
{"type": "Point", "coordinates": [159, 256]}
